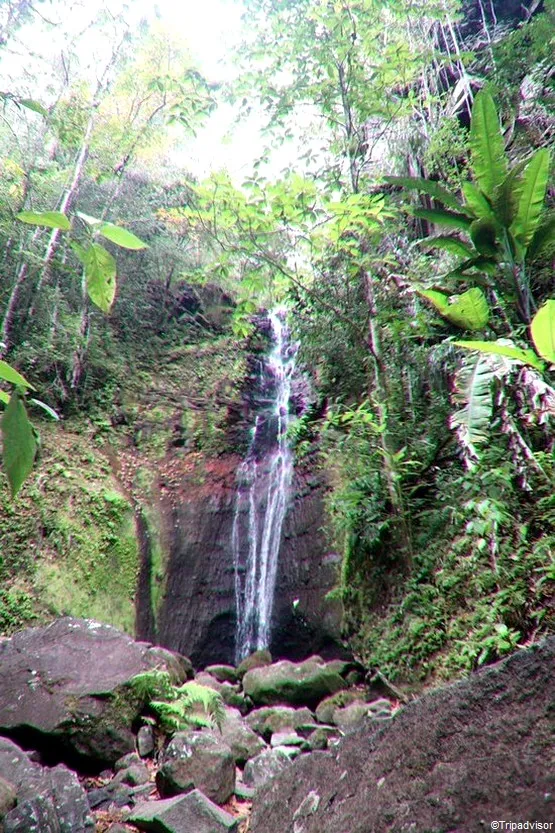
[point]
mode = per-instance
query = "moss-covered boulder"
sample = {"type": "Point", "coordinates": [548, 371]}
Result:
{"type": "Point", "coordinates": [66, 686]}
{"type": "Point", "coordinates": [303, 684]}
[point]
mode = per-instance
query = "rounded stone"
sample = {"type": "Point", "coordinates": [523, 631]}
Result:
{"type": "Point", "coordinates": [197, 760]}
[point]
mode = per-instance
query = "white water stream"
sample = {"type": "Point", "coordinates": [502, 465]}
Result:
{"type": "Point", "coordinates": [263, 485]}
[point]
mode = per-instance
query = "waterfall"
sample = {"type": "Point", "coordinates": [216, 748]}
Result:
{"type": "Point", "coordinates": [263, 484]}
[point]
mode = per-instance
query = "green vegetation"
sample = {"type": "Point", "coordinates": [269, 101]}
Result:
{"type": "Point", "coordinates": [412, 238]}
{"type": "Point", "coordinates": [179, 707]}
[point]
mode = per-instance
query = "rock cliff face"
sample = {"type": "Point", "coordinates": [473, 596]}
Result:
{"type": "Point", "coordinates": [198, 613]}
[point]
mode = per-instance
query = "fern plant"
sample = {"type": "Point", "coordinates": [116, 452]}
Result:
{"type": "Point", "coordinates": [179, 707]}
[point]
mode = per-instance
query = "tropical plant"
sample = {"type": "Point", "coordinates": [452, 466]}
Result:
{"type": "Point", "coordinates": [179, 707]}
{"type": "Point", "coordinates": [504, 218]}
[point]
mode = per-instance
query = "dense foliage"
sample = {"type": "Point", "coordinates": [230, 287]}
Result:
{"type": "Point", "coordinates": [412, 235]}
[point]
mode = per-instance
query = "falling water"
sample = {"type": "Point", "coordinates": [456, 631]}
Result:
{"type": "Point", "coordinates": [264, 480]}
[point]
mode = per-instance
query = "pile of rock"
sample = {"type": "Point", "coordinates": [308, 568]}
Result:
{"type": "Point", "coordinates": [65, 692]}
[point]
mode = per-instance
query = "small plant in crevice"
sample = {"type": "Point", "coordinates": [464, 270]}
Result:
{"type": "Point", "coordinates": [179, 707]}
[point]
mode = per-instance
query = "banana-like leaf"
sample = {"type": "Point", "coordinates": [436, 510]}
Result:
{"type": "Point", "coordinates": [476, 202]}
{"type": "Point", "coordinates": [483, 234]}
{"type": "Point", "coordinates": [542, 330]}
{"type": "Point", "coordinates": [9, 374]}
{"type": "Point", "coordinates": [543, 241]}
{"type": "Point", "coordinates": [473, 392]}
{"type": "Point", "coordinates": [429, 187]}
{"type": "Point", "coordinates": [505, 348]}
{"type": "Point", "coordinates": [532, 197]}
{"type": "Point", "coordinates": [470, 311]}
{"type": "Point", "coordinates": [449, 244]}
{"type": "Point", "coordinates": [443, 218]}
{"type": "Point", "coordinates": [489, 162]}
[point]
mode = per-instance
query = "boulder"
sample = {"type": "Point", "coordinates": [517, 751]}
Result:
{"type": "Point", "coordinates": [7, 798]}
{"type": "Point", "coordinates": [67, 683]}
{"type": "Point", "coordinates": [243, 742]}
{"type": "Point", "coordinates": [197, 760]}
{"type": "Point", "coordinates": [270, 719]}
{"type": "Point", "coordinates": [320, 737]}
{"type": "Point", "coordinates": [303, 683]}
{"type": "Point", "coordinates": [454, 760]}
{"type": "Point", "coordinates": [223, 673]}
{"type": "Point", "coordinates": [258, 659]}
{"type": "Point", "coordinates": [326, 709]}
{"type": "Point", "coordinates": [287, 738]}
{"type": "Point", "coordinates": [192, 813]}
{"type": "Point", "coordinates": [145, 741]}
{"type": "Point", "coordinates": [265, 766]}
{"type": "Point", "coordinates": [351, 717]}
{"type": "Point", "coordinates": [49, 800]}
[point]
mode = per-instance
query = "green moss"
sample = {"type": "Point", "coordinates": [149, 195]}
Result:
{"type": "Point", "coordinates": [96, 570]}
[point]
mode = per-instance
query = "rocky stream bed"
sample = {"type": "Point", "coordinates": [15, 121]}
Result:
{"type": "Point", "coordinates": [309, 747]}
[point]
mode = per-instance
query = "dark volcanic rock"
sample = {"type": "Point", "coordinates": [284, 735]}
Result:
{"type": "Point", "coordinates": [67, 683]}
{"type": "Point", "coordinates": [454, 760]}
{"type": "Point", "coordinates": [192, 813]}
{"type": "Point", "coordinates": [198, 613]}
{"type": "Point", "coordinates": [197, 760]}
{"type": "Point", "coordinates": [48, 800]}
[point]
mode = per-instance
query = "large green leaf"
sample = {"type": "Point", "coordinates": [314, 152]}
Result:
{"type": "Point", "coordinates": [449, 244]}
{"type": "Point", "coordinates": [8, 373]}
{"type": "Point", "coordinates": [542, 329]}
{"type": "Point", "coordinates": [507, 195]}
{"type": "Point", "coordinates": [532, 197]}
{"type": "Point", "coordinates": [489, 162]}
{"type": "Point", "coordinates": [472, 391]}
{"type": "Point", "coordinates": [121, 237]}
{"type": "Point", "coordinates": [19, 443]}
{"type": "Point", "coordinates": [443, 218]}
{"type": "Point", "coordinates": [470, 310]}
{"type": "Point", "coordinates": [427, 186]}
{"type": "Point", "coordinates": [100, 274]}
{"type": "Point", "coordinates": [543, 241]}
{"type": "Point", "coordinates": [49, 219]}
{"type": "Point", "coordinates": [478, 204]}
{"type": "Point", "coordinates": [501, 348]}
